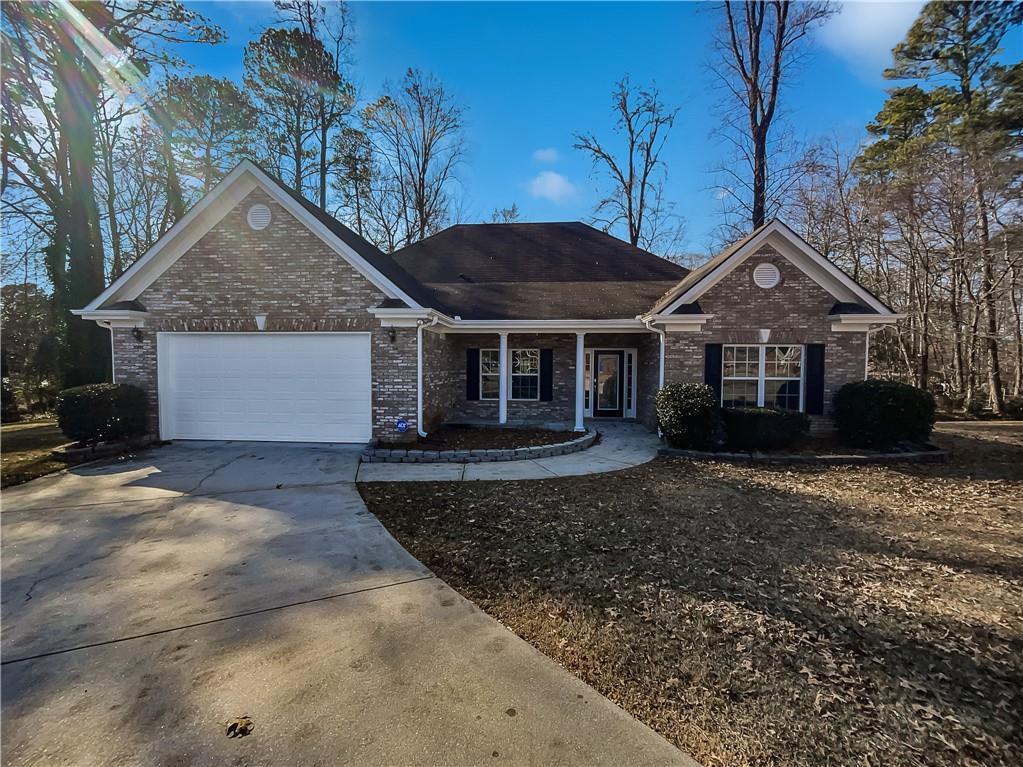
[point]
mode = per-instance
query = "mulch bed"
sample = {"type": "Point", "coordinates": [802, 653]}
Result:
{"type": "Point", "coordinates": [761, 615]}
{"type": "Point", "coordinates": [483, 438]}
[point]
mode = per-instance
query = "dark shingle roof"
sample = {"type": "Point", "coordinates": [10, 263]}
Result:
{"type": "Point", "coordinates": [850, 307]}
{"type": "Point", "coordinates": [538, 271]}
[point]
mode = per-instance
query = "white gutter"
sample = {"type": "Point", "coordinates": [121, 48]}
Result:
{"type": "Point", "coordinates": [419, 371]}
{"type": "Point", "coordinates": [649, 323]}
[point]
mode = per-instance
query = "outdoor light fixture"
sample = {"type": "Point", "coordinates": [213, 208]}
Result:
{"type": "Point", "coordinates": [136, 333]}
{"type": "Point", "coordinates": [765, 336]}
{"type": "Point", "coordinates": [392, 335]}
{"type": "Point", "coordinates": [260, 321]}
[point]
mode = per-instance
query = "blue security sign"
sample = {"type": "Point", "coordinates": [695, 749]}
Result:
{"type": "Point", "coordinates": [401, 425]}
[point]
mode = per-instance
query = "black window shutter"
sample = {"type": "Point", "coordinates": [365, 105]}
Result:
{"type": "Point", "coordinates": [712, 367]}
{"type": "Point", "coordinates": [814, 379]}
{"type": "Point", "coordinates": [472, 374]}
{"type": "Point", "coordinates": [546, 375]}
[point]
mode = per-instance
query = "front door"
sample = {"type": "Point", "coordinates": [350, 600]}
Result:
{"type": "Point", "coordinates": [607, 384]}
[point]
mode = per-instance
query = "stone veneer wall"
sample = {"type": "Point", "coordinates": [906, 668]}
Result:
{"type": "Point", "coordinates": [286, 272]}
{"type": "Point", "coordinates": [795, 311]}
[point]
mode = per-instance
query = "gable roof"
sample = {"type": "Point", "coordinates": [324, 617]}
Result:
{"type": "Point", "coordinates": [563, 270]}
{"type": "Point", "coordinates": [779, 236]}
{"type": "Point", "coordinates": [377, 267]}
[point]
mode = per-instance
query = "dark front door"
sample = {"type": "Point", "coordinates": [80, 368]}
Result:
{"type": "Point", "coordinates": [608, 384]}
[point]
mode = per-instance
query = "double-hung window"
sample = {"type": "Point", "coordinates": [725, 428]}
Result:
{"type": "Point", "coordinates": [762, 376]}
{"type": "Point", "coordinates": [525, 374]}
{"type": "Point", "coordinates": [490, 373]}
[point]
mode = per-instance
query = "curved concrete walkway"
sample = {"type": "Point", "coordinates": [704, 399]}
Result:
{"type": "Point", "coordinates": [622, 445]}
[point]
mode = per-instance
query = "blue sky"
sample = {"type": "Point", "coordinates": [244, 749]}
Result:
{"type": "Point", "coordinates": [531, 74]}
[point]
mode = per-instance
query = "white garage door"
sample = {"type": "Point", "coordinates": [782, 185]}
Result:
{"type": "Point", "coordinates": [290, 387]}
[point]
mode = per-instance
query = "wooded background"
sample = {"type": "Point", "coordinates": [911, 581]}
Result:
{"type": "Point", "coordinates": [108, 139]}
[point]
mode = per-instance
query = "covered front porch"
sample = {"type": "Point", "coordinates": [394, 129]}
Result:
{"type": "Point", "coordinates": [553, 379]}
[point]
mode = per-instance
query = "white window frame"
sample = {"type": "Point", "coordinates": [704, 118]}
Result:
{"type": "Point", "coordinates": [500, 370]}
{"type": "Point", "coordinates": [762, 377]}
{"type": "Point", "coordinates": [505, 368]}
{"type": "Point", "coordinates": [512, 374]}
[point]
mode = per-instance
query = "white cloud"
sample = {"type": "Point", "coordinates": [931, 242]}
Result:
{"type": "Point", "coordinates": [552, 186]}
{"type": "Point", "coordinates": [864, 32]}
{"type": "Point", "coordinates": [548, 155]}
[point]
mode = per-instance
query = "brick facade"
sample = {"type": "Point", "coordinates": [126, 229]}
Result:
{"type": "Point", "coordinates": [795, 311]}
{"type": "Point", "coordinates": [286, 272]}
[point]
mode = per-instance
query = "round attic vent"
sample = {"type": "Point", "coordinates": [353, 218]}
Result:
{"type": "Point", "coordinates": [259, 217]}
{"type": "Point", "coordinates": [766, 275]}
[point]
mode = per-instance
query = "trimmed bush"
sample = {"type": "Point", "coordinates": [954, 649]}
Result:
{"type": "Point", "coordinates": [883, 413]}
{"type": "Point", "coordinates": [102, 412]}
{"type": "Point", "coordinates": [757, 428]}
{"type": "Point", "coordinates": [689, 415]}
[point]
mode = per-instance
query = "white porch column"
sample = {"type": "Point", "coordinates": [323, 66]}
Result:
{"type": "Point", "coordinates": [502, 389]}
{"type": "Point", "coordinates": [580, 380]}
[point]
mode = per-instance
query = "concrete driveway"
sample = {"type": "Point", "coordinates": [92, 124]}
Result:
{"type": "Point", "coordinates": [146, 603]}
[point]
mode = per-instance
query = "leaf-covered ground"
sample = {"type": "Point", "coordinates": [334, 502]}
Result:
{"type": "Point", "coordinates": [25, 451]}
{"type": "Point", "coordinates": [755, 616]}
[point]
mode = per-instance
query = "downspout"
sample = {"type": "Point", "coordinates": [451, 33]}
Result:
{"type": "Point", "coordinates": [420, 325]}
{"type": "Point", "coordinates": [648, 322]}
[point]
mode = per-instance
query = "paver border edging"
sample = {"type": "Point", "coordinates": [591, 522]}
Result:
{"type": "Point", "coordinates": [411, 455]}
{"type": "Point", "coordinates": [916, 456]}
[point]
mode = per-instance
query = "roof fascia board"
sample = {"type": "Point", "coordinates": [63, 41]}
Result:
{"type": "Point", "coordinates": [822, 271]}
{"type": "Point", "coordinates": [179, 238]}
{"type": "Point", "coordinates": [114, 317]}
{"type": "Point", "coordinates": [338, 245]}
{"type": "Point", "coordinates": [860, 323]}
{"type": "Point", "coordinates": [679, 323]}
{"type": "Point", "coordinates": [211, 210]}
{"type": "Point", "coordinates": [543, 326]}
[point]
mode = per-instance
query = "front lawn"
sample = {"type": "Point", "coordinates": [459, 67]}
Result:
{"type": "Point", "coordinates": [758, 615]}
{"type": "Point", "coordinates": [25, 451]}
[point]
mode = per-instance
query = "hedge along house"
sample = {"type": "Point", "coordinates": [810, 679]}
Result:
{"type": "Point", "coordinates": [260, 317]}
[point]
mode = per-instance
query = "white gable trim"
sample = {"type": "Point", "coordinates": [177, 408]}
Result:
{"type": "Point", "coordinates": [799, 253]}
{"type": "Point", "coordinates": [207, 213]}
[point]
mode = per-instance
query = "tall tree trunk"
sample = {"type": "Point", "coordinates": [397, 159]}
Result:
{"type": "Point", "coordinates": [1017, 324]}
{"type": "Point", "coordinates": [324, 131]}
{"type": "Point", "coordinates": [759, 177]}
{"type": "Point", "coordinates": [994, 370]}
{"type": "Point", "coordinates": [87, 351]}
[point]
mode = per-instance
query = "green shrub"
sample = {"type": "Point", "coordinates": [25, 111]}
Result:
{"type": "Point", "coordinates": [757, 428]}
{"type": "Point", "coordinates": [689, 415]}
{"type": "Point", "coordinates": [882, 413]}
{"type": "Point", "coordinates": [102, 412]}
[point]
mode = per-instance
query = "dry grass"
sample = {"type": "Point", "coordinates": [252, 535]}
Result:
{"type": "Point", "coordinates": [756, 616]}
{"type": "Point", "coordinates": [25, 451]}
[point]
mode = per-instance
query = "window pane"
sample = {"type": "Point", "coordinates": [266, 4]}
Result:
{"type": "Point", "coordinates": [783, 395]}
{"type": "Point", "coordinates": [525, 361]}
{"type": "Point", "coordinates": [525, 387]}
{"type": "Point", "coordinates": [741, 361]}
{"type": "Point", "coordinates": [490, 386]}
{"type": "Point", "coordinates": [739, 394]}
{"type": "Point", "coordinates": [490, 361]}
{"type": "Point", "coordinates": [783, 361]}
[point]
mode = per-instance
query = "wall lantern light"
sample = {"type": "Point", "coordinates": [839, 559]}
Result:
{"type": "Point", "coordinates": [765, 336]}
{"type": "Point", "coordinates": [136, 333]}
{"type": "Point", "coordinates": [392, 335]}
{"type": "Point", "coordinates": [260, 321]}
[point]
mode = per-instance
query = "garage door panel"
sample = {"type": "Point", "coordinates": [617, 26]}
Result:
{"type": "Point", "coordinates": [309, 387]}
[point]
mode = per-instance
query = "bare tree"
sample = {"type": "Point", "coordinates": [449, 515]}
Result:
{"type": "Point", "coordinates": [635, 171]}
{"type": "Point", "coordinates": [416, 133]}
{"type": "Point", "coordinates": [759, 44]}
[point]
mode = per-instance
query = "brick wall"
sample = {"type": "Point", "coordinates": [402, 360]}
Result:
{"type": "Point", "coordinates": [286, 272]}
{"type": "Point", "coordinates": [795, 311]}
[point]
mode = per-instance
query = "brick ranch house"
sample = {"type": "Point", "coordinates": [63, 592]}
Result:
{"type": "Point", "coordinates": [260, 317]}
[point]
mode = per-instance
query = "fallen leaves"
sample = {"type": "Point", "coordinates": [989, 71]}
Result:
{"type": "Point", "coordinates": [848, 616]}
